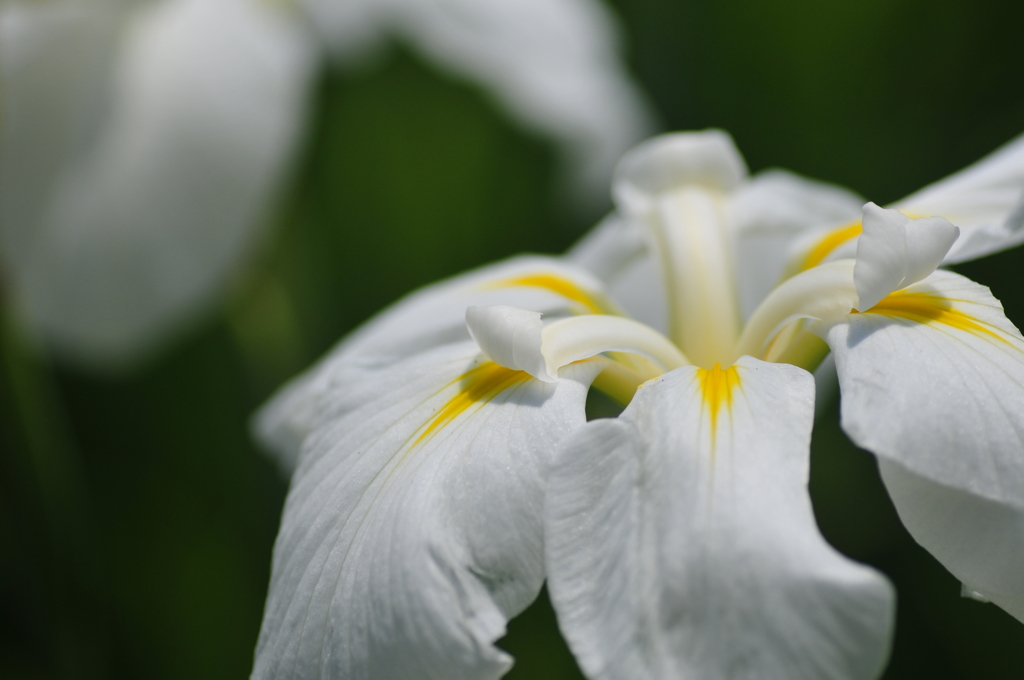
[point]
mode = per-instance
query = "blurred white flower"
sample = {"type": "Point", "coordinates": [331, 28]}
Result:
{"type": "Point", "coordinates": [140, 145]}
{"type": "Point", "coordinates": [554, 65]}
{"type": "Point", "coordinates": [142, 142]}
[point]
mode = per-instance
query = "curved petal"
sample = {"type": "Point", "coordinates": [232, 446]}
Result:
{"type": "Point", "coordinates": [552, 64]}
{"type": "Point", "coordinates": [163, 173]}
{"type": "Point", "coordinates": [413, 527]}
{"type": "Point", "coordinates": [932, 378]}
{"type": "Point", "coordinates": [423, 320]}
{"type": "Point", "coordinates": [980, 541]}
{"type": "Point", "coordinates": [681, 543]}
{"type": "Point", "coordinates": [986, 200]}
{"type": "Point", "coordinates": [770, 212]}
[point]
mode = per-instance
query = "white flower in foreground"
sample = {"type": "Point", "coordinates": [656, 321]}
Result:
{"type": "Point", "coordinates": [443, 470]}
{"type": "Point", "coordinates": [142, 141]}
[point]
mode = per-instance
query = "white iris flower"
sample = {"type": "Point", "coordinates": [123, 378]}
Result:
{"type": "Point", "coordinates": [443, 465]}
{"type": "Point", "coordinates": [143, 140]}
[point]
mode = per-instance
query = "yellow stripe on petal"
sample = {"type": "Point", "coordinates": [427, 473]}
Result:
{"type": "Point", "coordinates": [479, 385]}
{"type": "Point", "coordinates": [828, 243]}
{"type": "Point", "coordinates": [932, 309]}
{"type": "Point", "coordinates": [591, 302]}
{"type": "Point", "coordinates": [717, 386]}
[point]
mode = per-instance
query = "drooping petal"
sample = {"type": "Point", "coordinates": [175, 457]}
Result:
{"type": "Point", "coordinates": [980, 541]}
{"type": "Point", "coordinates": [413, 527]}
{"type": "Point", "coordinates": [986, 200]}
{"type": "Point", "coordinates": [769, 214]}
{"type": "Point", "coordinates": [932, 380]}
{"type": "Point", "coordinates": [552, 64]}
{"type": "Point", "coordinates": [681, 542]}
{"type": "Point", "coordinates": [425, 319]}
{"type": "Point", "coordinates": [129, 195]}
{"type": "Point", "coordinates": [895, 251]}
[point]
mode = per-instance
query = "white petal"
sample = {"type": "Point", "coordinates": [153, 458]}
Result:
{"type": "Point", "coordinates": [433, 316]}
{"type": "Point", "coordinates": [895, 251]}
{"type": "Point", "coordinates": [682, 544]}
{"type": "Point", "coordinates": [609, 249]}
{"type": "Point", "coordinates": [768, 214]}
{"type": "Point", "coordinates": [163, 168]}
{"type": "Point", "coordinates": [640, 290]}
{"type": "Point", "coordinates": [933, 379]}
{"type": "Point", "coordinates": [553, 64]}
{"type": "Point", "coordinates": [708, 158]}
{"type": "Point", "coordinates": [980, 541]}
{"type": "Point", "coordinates": [986, 200]}
{"type": "Point", "coordinates": [413, 527]}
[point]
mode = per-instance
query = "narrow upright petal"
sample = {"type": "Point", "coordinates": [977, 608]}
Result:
{"type": "Point", "coordinates": [676, 188]}
{"type": "Point", "coordinates": [125, 207]}
{"type": "Point", "coordinates": [413, 527]}
{"type": "Point", "coordinates": [681, 542]}
{"type": "Point", "coordinates": [932, 382]}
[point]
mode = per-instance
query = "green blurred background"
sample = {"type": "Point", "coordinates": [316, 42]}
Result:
{"type": "Point", "coordinates": [136, 515]}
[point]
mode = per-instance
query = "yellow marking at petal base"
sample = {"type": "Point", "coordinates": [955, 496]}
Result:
{"type": "Point", "coordinates": [479, 385]}
{"type": "Point", "coordinates": [933, 309]}
{"type": "Point", "coordinates": [717, 386]}
{"type": "Point", "coordinates": [832, 240]}
{"type": "Point", "coordinates": [560, 285]}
